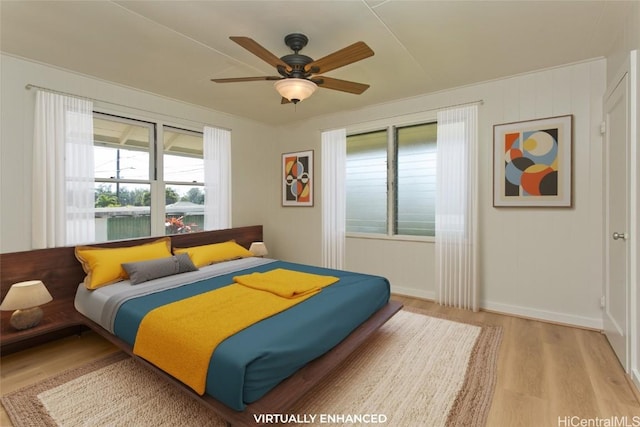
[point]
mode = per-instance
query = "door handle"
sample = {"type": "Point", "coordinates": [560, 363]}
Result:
{"type": "Point", "coordinates": [617, 236]}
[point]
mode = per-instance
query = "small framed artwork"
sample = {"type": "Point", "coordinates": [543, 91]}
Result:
{"type": "Point", "coordinates": [297, 178]}
{"type": "Point", "coordinates": [532, 162]}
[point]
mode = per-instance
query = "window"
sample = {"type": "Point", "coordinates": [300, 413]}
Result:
{"type": "Point", "coordinates": [183, 167]}
{"type": "Point", "coordinates": [416, 180]}
{"type": "Point", "coordinates": [137, 192]}
{"type": "Point", "coordinates": [123, 151]}
{"type": "Point", "coordinates": [391, 181]}
{"type": "Point", "coordinates": [366, 182]}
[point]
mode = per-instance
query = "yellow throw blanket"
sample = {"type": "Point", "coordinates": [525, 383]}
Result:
{"type": "Point", "coordinates": [286, 283]}
{"type": "Point", "coordinates": [180, 337]}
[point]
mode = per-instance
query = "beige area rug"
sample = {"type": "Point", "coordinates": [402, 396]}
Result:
{"type": "Point", "coordinates": [417, 370]}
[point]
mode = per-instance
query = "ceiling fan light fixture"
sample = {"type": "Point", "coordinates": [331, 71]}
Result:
{"type": "Point", "coordinates": [295, 90]}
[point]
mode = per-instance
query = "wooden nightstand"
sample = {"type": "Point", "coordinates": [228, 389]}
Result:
{"type": "Point", "coordinates": [60, 319]}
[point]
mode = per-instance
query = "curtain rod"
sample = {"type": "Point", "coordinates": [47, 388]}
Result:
{"type": "Point", "coordinates": [461, 104]}
{"type": "Point", "coordinates": [30, 86]}
{"type": "Point", "coordinates": [478, 101]}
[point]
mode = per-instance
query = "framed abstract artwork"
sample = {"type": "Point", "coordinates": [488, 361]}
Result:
{"type": "Point", "coordinates": [532, 162]}
{"type": "Point", "coordinates": [297, 178]}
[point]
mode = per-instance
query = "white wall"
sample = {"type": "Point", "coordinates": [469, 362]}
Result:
{"type": "Point", "coordinates": [543, 262]}
{"type": "Point", "coordinates": [250, 140]}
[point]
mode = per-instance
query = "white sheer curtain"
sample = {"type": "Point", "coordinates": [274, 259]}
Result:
{"type": "Point", "coordinates": [217, 178]}
{"type": "Point", "coordinates": [457, 208]}
{"type": "Point", "coordinates": [334, 158]}
{"type": "Point", "coordinates": [63, 172]}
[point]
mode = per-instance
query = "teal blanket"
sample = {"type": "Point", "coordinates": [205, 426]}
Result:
{"type": "Point", "coordinates": [249, 364]}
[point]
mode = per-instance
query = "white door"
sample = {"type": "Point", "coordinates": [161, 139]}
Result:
{"type": "Point", "coordinates": [616, 307]}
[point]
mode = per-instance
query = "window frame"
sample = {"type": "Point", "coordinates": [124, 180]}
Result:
{"type": "Point", "coordinates": [187, 132]}
{"type": "Point", "coordinates": [390, 125]}
{"type": "Point", "coordinates": [156, 157]}
{"type": "Point", "coordinates": [161, 153]}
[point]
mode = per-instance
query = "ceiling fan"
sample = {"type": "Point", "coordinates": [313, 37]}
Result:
{"type": "Point", "coordinates": [299, 77]}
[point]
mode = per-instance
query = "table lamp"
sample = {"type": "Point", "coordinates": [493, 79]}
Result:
{"type": "Point", "coordinates": [258, 249]}
{"type": "Point", "coordinates": [25, 298]}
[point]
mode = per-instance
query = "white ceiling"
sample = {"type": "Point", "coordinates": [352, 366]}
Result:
{"type": "Point", "coordinates": [174, 48]}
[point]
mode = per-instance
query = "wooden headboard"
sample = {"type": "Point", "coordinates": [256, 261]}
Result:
{"type": "Point", "coordinates": [61, 273]}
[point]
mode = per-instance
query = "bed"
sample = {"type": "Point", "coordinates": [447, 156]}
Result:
{"type": "Point", "coordinates": [264, 368]}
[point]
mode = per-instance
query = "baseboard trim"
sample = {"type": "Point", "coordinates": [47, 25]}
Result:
{"type": "Point", "coordinates": [545, 315]}
{"type": "Point", "coordinates": [514, 310]}
{"type": "Point", "coordinates": [635, 383]}
{"type": "Point", "coordinates": [411, 292]}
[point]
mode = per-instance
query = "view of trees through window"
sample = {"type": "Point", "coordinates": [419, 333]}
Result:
{"type": "Point", "coordinates": [106, 197]}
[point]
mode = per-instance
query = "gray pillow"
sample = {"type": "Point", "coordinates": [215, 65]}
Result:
{"type": "Point", "coordinates": [147, 270]}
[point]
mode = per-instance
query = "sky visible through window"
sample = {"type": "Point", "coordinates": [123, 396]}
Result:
{"type": "Point", "coordinates": [134, 165]}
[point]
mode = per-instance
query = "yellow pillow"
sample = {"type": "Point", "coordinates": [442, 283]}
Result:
{"type": "Point", "coordinates": [215, 252]}
{"type": "Point", "coordinates": [103, 266]}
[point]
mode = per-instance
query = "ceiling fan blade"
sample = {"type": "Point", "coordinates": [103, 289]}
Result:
{"type": "Point", "coordinates": [284, 101]}
{"type": "Point", "coordinates": [340, 58]}
{"type": "Point", "coordinates": [259, 51]}
{"type": "Point", "coordinates": [246, 79]}
{"type": "Point", "coordinates": [341, 85]}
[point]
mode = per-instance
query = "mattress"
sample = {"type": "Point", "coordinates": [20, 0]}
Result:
{"type": "Point", "coordinates": [247, 365]}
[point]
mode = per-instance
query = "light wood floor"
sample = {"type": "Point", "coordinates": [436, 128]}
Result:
{"type": "Point", "coordinates": [548, 375]}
